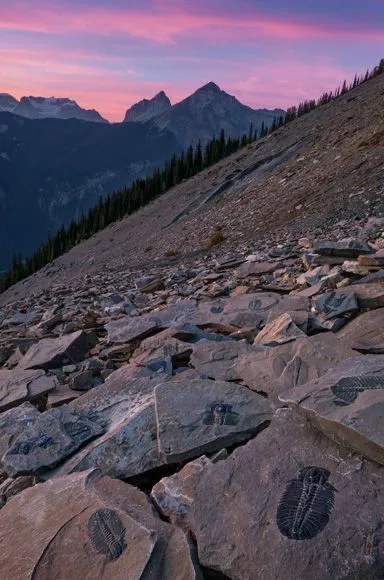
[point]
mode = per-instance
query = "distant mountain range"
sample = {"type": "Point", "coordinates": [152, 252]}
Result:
{"type": "Point", "coordinates": [47, 107]}
{"type": "Point", "coordinates": [57, 159]}
{"type": "Point", "coordinates": [201, 115]}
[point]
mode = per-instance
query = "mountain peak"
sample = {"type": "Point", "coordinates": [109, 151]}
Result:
{"type": "Point", "coordinates": [211, 86]}
{"type": "Point", "coordinates": [147, 109]}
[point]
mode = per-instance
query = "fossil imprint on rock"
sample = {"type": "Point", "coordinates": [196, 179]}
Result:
{"type": "Point", "coordinates": [306, 504]}
{"type": "Point", "coordinates": [347, 389]}
{"type": "Point", "coordinates": [107, 533]}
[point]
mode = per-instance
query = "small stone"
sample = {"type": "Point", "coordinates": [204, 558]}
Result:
{"type": "Point", "coordinates": [81, 381]}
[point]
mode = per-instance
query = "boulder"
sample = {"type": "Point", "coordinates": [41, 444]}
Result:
{"type": "Point", "coordinates": [203, 416]}
{"type": "Point", "coordinates": [51, 353]}
{"type": "Point", "coordinates": [290, 505]}
{"type": "Point", "coordinates": [294, 363]}
{"type": "Point", "coordinates": [88, 526]}
{"type": "Point", "coordinates": [347, 404]}
{"type": "Point", "coordinates": [18, 386]}
{"type": "Point", "coordinates": [53, 436]}
{"type": "Point", "coordinates": [131, 328]}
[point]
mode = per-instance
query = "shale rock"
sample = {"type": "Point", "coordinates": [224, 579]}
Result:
{"type": "Point", "coordinates": [53, 436]}
{"type": "Point", "coordinates": [14, 421]}
{"type": "Point", "coordinates": [51, 353]}
{"type": "Point", "coordinates": [290, 504]}
{"type": "Point", "coordinates": [285, 328]}
{"type": "Point", "coordinates": [365, 333]}
{"type": "Point", "coordinates": [349, 248]}
{"type": "Point", "coordinates": [202, 416]}
{"type": "Point", "coordinates": [174, 495]}
{"type": "Point", "coordinates": [87, 526]}
{"type": "Point", "coordinates": [216, 360]}
{"type": "Point", "coordinates": [18, 386]}
{"type": "Point", "coordinates": [246, 310]}
{"type": "Point", "coordinates": [131, 328]}
{"type": "Point", "coordinates": [368, 295]}
{"type": "Point", "coordinates": [125, 406]}
{"type": "Point", "coordinates": [347, 404]}
{"type": "Point", "coordinates": [294, 363]}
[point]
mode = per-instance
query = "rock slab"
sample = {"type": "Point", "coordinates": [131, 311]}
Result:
{"type": "Point", "coordinates": [53, 436]}
{"type": "Point", "coordinates": [203, 416]}
{"type": "Point", "coordinates": [88, 526]}
{"type": "Point", "coordinates": [290, 504]}
{"type": "Point", "coordinates": [18, 386]}
{"type": "Point", "coordinates": [347, 404]}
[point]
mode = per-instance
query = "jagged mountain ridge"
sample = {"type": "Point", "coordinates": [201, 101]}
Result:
{"type": "Point", "coordinates": [147, 109]}
{"type": "Point", "coordinates": [203, 114]}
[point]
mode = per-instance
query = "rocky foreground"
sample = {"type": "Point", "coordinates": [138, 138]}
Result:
{"type": "Point", "coordinates": [221, 418]}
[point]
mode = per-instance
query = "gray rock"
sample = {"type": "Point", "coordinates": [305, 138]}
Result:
{"type": "Point", "coordinates": [347, 404]}
{"type": "Point", "coordinates": [335, 304]}
{"type": "Point", "coordinates": [50, 353]}
{"type": "Point", "coordinates": [348, 248]}
{"type": "Point", "coordinates": [249, 269]}
{"type": "Point", "coordinates": [246, 516]}
{"type": "Point", "coordinates": [81, 381]}
{"type": "Point", "coordinates": [247, 310]}
{"type": "Point", "coordinates": [18, 386]}
{"type": "Point", "coordinates": [294, 363]}
{"type": "Point", "coordinates": [14, 421]}
{"type": "Point", "coordinates": [202, 416]}
{"type": "Point", "coordinates": [131, 328]}
{"type": "Point", "coordinates": [53, 436]}
{"type": "Point", "coordinates": [216, 360]}
{"type": "Point", "coordinates": [126, 407]}
{"type": "Point", "coordinates": [312, 277]}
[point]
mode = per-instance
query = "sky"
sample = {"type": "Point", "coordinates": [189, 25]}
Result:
{"type": "Point", "coordinates": [109, 54]}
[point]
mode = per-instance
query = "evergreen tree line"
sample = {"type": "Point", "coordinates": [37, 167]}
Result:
{"type": "Point", "coordinates": [122, 203]}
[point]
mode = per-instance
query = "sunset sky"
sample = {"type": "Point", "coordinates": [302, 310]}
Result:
{"type": "Point", "coordinates": [108, 54]}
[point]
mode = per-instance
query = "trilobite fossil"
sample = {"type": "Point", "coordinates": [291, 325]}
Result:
{"type": "Point", "coordinates": [306, 504]}
{"type": "Point", "coordinates": [221, 414]}
{"type": "Point", "coordinates": [77, 430]}
{"type": "Point", "coordinates": [347, 389]}
{"type": "Point", "coordinates": [26, 447]}
{"type": "Point", "coordinates": [107, 533]}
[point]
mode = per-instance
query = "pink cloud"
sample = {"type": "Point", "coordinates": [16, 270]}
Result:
{"type": "Point", "coordinates": [167, 24]}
